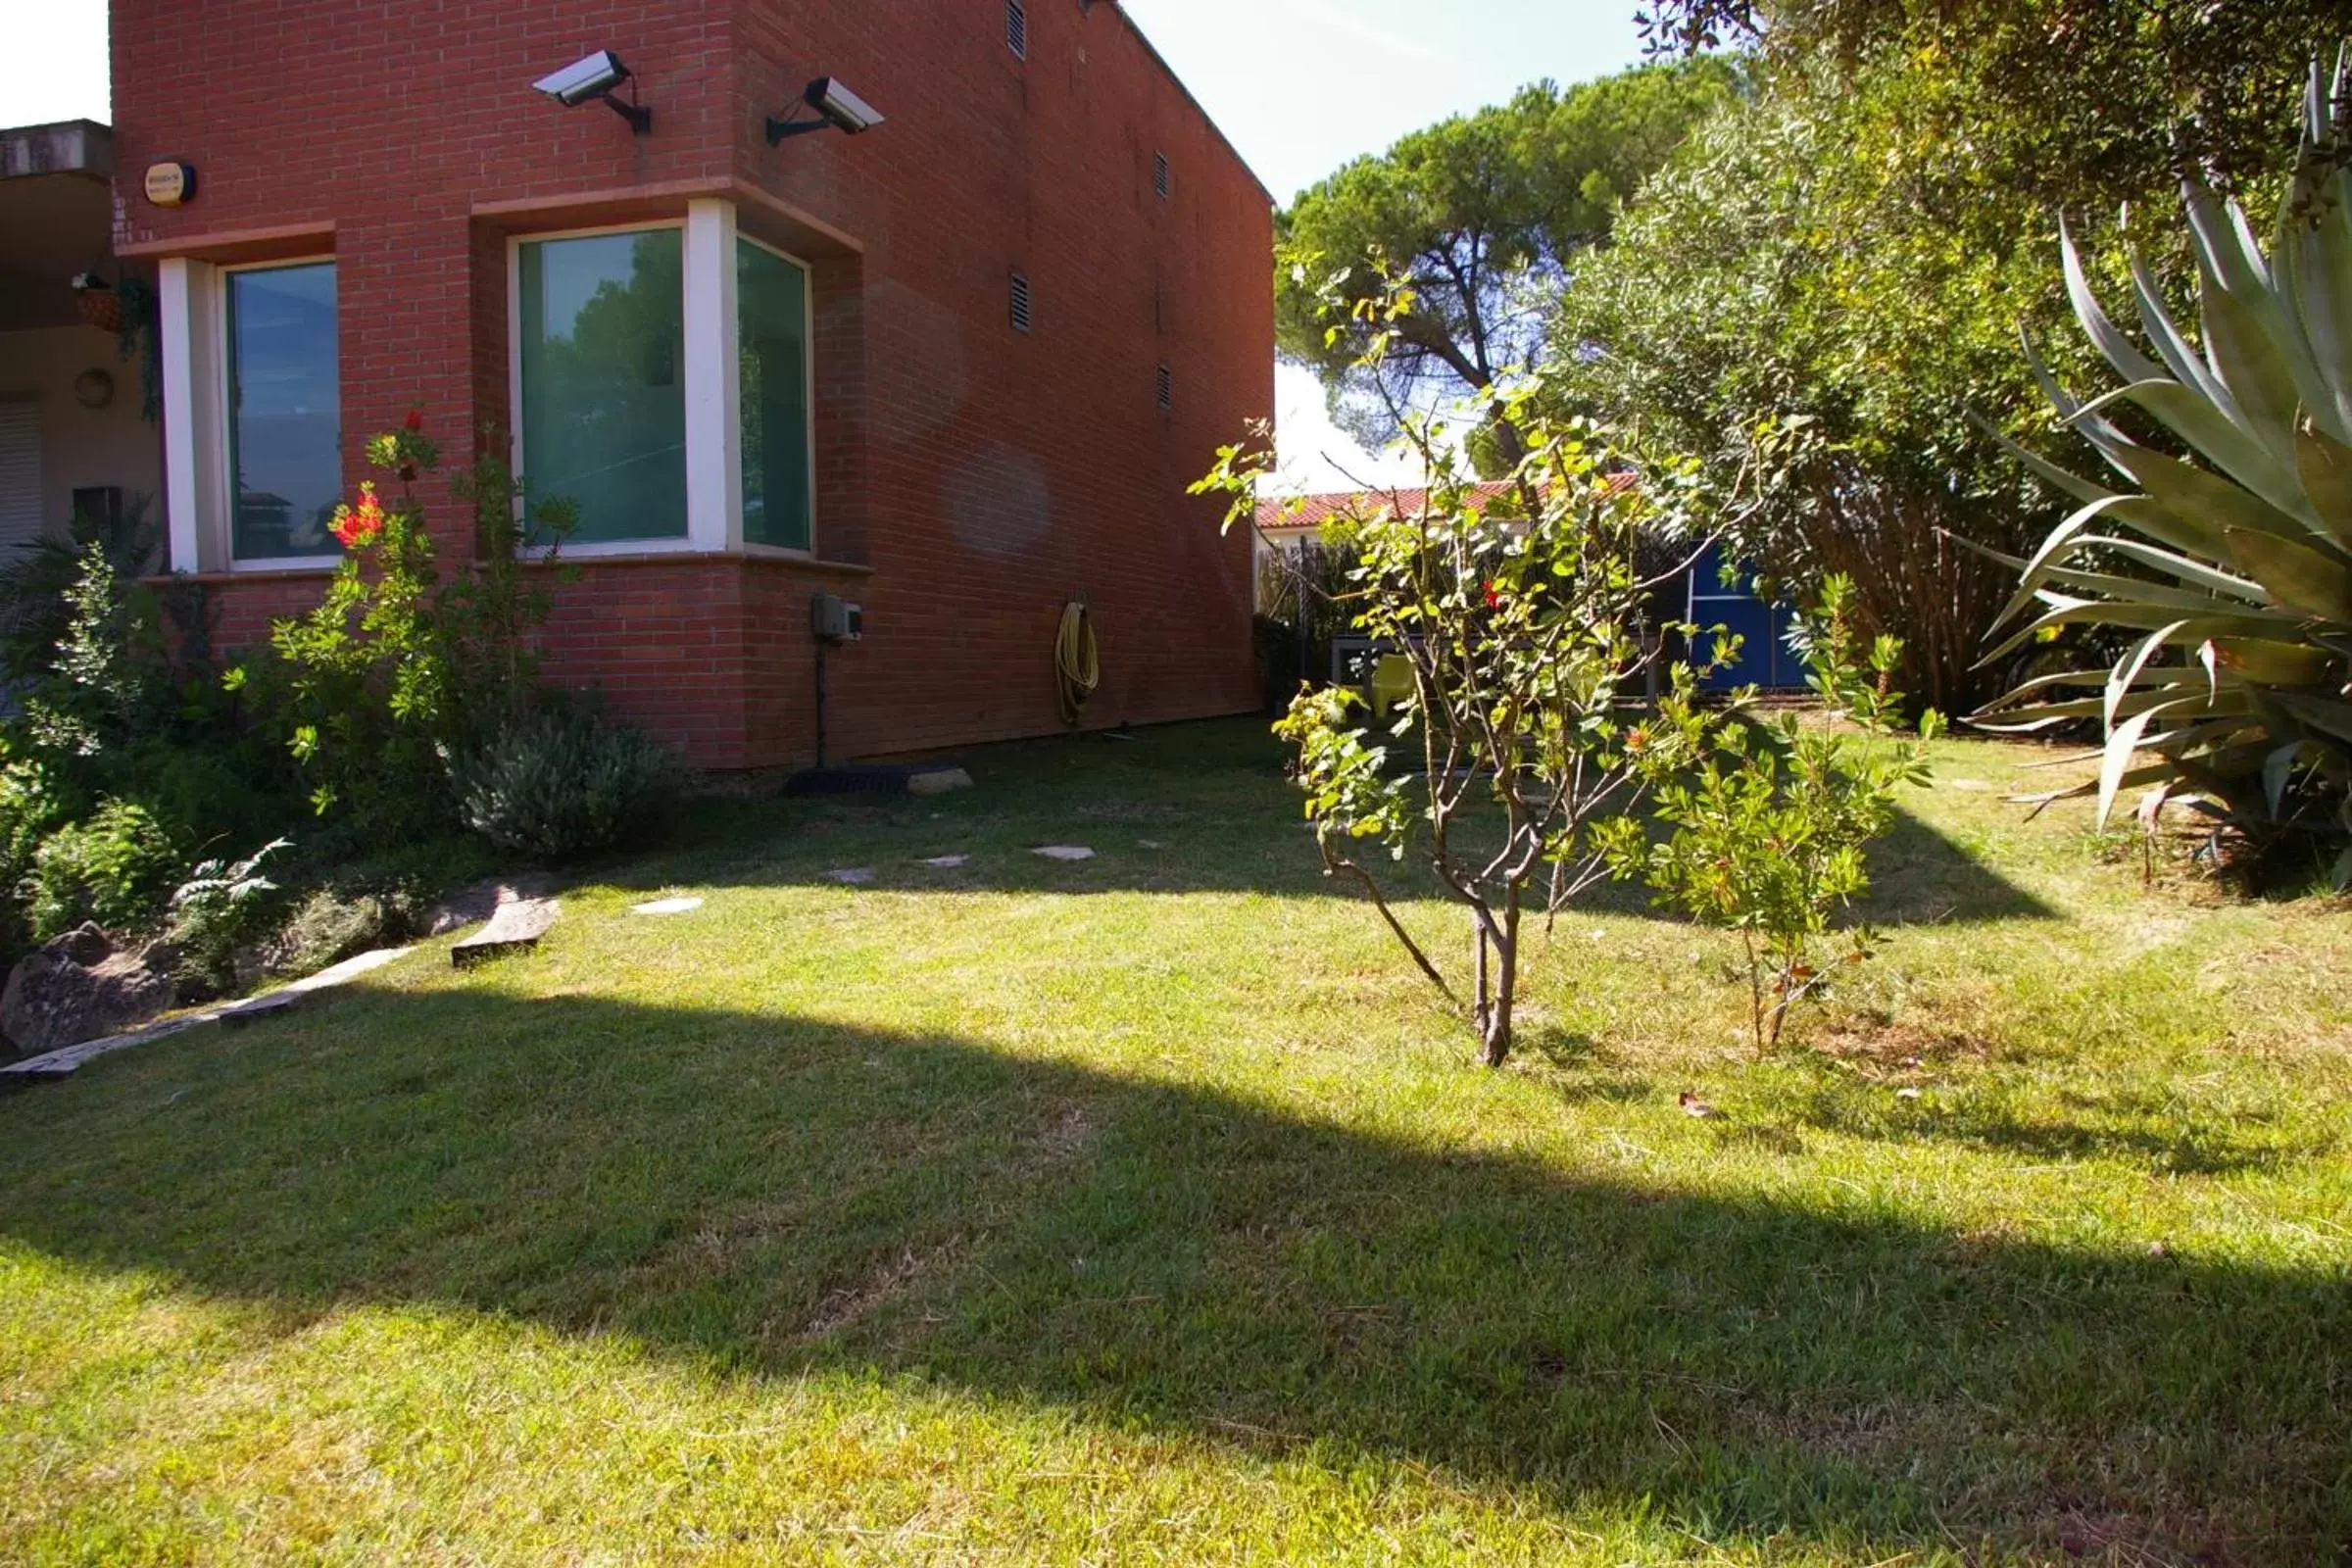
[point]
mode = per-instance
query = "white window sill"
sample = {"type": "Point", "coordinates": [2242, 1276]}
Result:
{"type": "Point", "coordinates": [588, 550]}
{"type": "Point", "coordinates": [288, 564]}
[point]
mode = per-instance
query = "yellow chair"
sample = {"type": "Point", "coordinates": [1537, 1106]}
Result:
{"type": "Point", "coordinates": [1392, 684]}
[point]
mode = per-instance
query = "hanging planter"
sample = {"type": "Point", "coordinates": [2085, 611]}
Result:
{"type": "Point", "coordinates": [100, 305]}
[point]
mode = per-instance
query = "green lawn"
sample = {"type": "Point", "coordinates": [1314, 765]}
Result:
{"type": "Point", "coordinates": [1146, 1211]}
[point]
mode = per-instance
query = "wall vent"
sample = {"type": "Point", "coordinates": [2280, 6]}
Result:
{"type": "Point", "coordinates": [1016, 29]}
{"type": "Point", "coordinates": [1162, 178]}
{"type": "Point", "coordinates": [1020, 302]}
{"type": "Point", "coordinates": [1167, 387]}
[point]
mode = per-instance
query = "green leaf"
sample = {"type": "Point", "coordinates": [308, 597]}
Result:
{"type": "Point", "coordinates": [2326, 470]}
{"type": "Point", "coordinates": [2270, 663]}
{"type": "Point", "coordinates": [2127, 669]}
{"type": "Point", "coordinates": [2196, 421]}
{"type": "Point", "coordinates": [2296, 574]}
{"type": "Point", "coordinates": [2321, 712]}
{"type": "Point", "coordinates": [2115, 761]}
{"type": "Point", "coordinates": [2121, 352]}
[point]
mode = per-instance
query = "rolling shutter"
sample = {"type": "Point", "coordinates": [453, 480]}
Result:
{"type": "Point", "coordinates": [20, 473]}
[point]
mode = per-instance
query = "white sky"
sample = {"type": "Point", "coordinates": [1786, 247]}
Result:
{"type": "Point", "coordinates": [1301, 86]}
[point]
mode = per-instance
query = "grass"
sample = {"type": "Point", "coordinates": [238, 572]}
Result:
{"type": "Point", "coordinates": [1147, 1210]}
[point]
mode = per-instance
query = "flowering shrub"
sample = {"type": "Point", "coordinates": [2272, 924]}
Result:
{"type": "Point", "coordinates": [358, 526]}
{"type": "Point", "coordinates": [398, 670]}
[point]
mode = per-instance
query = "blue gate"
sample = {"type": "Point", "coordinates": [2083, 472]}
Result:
{"type": "Point", "coordinates": [1766, 660]}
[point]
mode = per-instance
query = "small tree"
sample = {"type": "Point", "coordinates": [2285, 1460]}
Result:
{"type": "Point", "coordinates": [1521, 620]}
{"type": "Point", "coordinates": [1769, 829]}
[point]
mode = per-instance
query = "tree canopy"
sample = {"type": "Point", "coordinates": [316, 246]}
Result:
{"type": "Point", "coordinates": [1482, 217]}
{"type": "Point", "coordinates": [1819, 300]}
{"type": "Point", "coordinates": [2077, 102]}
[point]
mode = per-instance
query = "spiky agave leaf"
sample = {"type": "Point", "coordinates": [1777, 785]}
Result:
{"type": "Point", "coordinates": [2237, 589]}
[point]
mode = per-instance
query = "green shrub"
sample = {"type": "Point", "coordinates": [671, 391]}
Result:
{"type": "Point", "coordinates": [220, 909]}
{"type": "Point", "coordinates": [116, 868]}
{"type": "Point", "coordinates": [1771, 826]}
{"type": "Point", "coordinates": [30, 808]}
{"type": "Point", "coordinates": [562, 783]}
{"type": "Point", "coordinates": [330, 924]}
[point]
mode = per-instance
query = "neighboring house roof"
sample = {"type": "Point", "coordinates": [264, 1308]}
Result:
{"type": "Point", "coordinates": [1277, 519]}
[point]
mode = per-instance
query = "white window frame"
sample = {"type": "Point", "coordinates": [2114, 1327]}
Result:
{"type": "Point", "coordinates": [199, 490]}
{"type": "Point", "coordinates": [228, 415]}
{"type": "Point", "coordinates": [710, 320]}
{"type": "Point", "coordinates": [752, 547]}
{"type": "Point", "coordinates": [690, 542]}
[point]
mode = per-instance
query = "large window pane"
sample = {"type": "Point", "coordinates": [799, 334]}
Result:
{"type": "Point", "coordinates": [286, 433]}
{"type": "Point", "coordinates": [604, 401]}
{"type": "Point", "coordinates": [772, 351]}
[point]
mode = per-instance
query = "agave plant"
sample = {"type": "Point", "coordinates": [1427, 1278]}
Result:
{"type": "Point", "coordinates": [2230, 581]}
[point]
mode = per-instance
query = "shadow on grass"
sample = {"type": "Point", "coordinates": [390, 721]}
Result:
{"type": "Point", "coordinates": [763, 1196]}
{"type": "Point", "coordinates": [1198, 808]}
{"type": "Point", "coordinates": [2141, 1129]}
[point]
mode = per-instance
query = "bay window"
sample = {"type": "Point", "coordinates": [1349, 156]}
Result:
{"type": "Point", "coordinates": [772, 376]}
{"type": "Point", "coordinates": [603, 406]}
{"type": "Point", "coordinates": [662, 385]}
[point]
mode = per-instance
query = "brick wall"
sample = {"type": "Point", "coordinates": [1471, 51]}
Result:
{"type": "Point", "coordinates": [979, 476]}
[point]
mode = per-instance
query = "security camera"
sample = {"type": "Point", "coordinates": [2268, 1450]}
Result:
{"type": "Point", "coordinates": [592, 77]}
{"type": "Point", "coordinates": [841, 106]}
{"type": "Point", "coordinates": [594, 80]}
{"type": "Point", "coordinates": [835, 105]}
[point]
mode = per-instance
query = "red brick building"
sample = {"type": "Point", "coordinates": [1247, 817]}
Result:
{"type": "Point", "coordinates": [958, 369]}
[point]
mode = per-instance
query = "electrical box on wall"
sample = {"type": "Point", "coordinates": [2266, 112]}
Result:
{"type": "Point", "coordinates": [835, 619]}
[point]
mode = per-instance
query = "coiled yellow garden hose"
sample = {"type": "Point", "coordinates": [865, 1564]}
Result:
{"type": "Point", "coordinates": [1077, 661]}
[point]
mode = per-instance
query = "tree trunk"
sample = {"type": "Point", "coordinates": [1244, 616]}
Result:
{"type": "Point", "coordinates": [1483, 999]}
{"type": "Point", "coordinates": [1495, 1026]}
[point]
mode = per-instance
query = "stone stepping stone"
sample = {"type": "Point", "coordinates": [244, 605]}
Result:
{"type": "Point", "coordinates": [1066, 852]}
{"type": "Point", "coordinates": [938, 781]}
{"type": "Point", "coordinates": [663, 906]}
{"type": "Point", "coordinates": [949, 862]}
{"type": "Point", "coordinates": [855, 876]}
{"type": "Point", "coordinates": [515, 927]}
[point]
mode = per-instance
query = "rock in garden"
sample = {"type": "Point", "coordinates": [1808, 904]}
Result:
{"type": "Point", "coordinates": [481, 900]}
{"type": "Point", "coordinates": [1066, 852]}
{"type": "Point", "coordinates": [81, 987]}
{"type": "Point", "coordinates": [515, 927]}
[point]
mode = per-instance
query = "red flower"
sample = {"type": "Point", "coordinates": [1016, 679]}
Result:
{"type": "Point", "coordinates": [414, 421]}
{"type": "Point", "coordinates": [357, 525]}
{"type": "Point", "coordinates": [1493, 598]}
